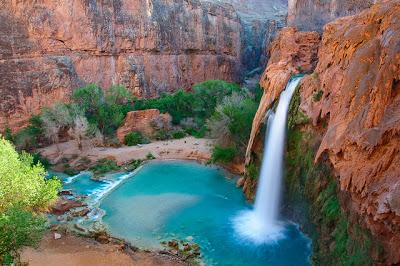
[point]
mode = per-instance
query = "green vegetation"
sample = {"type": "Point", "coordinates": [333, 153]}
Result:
{"type": "Point", "coordinates": [198, 104]}
{"type": "Point", "coordinates": [223, 155]}
{"type": "Point", "coordinates": [104, 111]}
{"type": "Point", "coordinates": [317, 96]}
{"type": "Point", "coordinates": [162, 134]}
{"type": "Point", "coordinates": [134, 138]}
{"type": "Point", "coordinates": [24, 191]}
{"type": "Point", "coordinates": [90, 114]}
{"type": "Point", "coordinates": [104, 166]}
{"type": "Point", "coordinates": [178, 134]}
{"type": "Point", "coordinates": [150, 156]}
{"type": "Point", "coordinates": [29, 137]}
{"type": "Point", "coordinates": [133, 165]}
{"type": "Point", "coordinates": [232, 121]}
{"type": "Point", "coordinates": [19, 228]}
{"type": "Point", "coordinates": [253, 170]}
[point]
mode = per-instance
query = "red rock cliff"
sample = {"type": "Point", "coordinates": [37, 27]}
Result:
{"type": "Point", "coordinates": [48, 48]}
{"type": "Point", "coordinates": [358, 79]}
{"type": "Point", "coordinates": [310, 15]}
{"type": "Point", "coordinates": [358, 74]}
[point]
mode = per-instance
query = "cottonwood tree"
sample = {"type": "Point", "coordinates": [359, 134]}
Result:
{"type": "Point", "coordinates": [24, 192]}
{"type": "Point", "coordinates": [79, 130]}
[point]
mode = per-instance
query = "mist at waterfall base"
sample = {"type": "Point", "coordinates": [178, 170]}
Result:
{"type": "Point", "coordinates": [262, 224]}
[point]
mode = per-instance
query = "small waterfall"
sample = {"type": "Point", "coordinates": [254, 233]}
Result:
{"type": "Point", "coordinates": [262, 224]}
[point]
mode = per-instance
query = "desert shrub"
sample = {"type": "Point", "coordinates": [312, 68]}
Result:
{"type": "Point", "coordinates": [150, 156]}
{"type": "Point", "coordinates": [91, 113]}
{"type": "Point", "coordinates": [162, 134]}
{"type": "Point", "coordinates": [133, 138]}
{"type": "Point", "coordinates": [178, 134]}
{"type": "Point", "coordinates": [223, 155]}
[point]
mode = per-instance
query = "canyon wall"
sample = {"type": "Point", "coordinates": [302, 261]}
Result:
{"type": "Point", "coordinates": [358, 76]}
{"type": "Point", "coordinates": [353, 100]}
{"type": "Point", "coordinates": [312, 15]}
{"type": "Point", "coordinates": [49, 48]}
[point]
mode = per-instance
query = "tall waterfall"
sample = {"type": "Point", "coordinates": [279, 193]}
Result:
{"type": "Point", "coordinates": [262, 224]}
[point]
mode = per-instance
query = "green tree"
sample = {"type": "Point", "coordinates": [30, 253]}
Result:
{"type": "Point", "coordinates": [22, 182]}
{"type": "Point", "coordinates": [89, 98]}
{"type": "Point", "coordinates": [24, 191]}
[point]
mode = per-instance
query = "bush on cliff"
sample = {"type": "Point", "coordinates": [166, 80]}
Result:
{"type": "Point", "coordinates": [24, 191]}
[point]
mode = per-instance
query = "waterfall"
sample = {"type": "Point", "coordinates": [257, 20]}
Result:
{"type": "Point", "coordinates": [262, 224]}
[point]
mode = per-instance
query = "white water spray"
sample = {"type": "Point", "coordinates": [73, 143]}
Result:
{"type": "Point", "coordinates": [262, 224]}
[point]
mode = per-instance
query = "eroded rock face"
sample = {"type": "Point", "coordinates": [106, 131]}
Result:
{"type": "Point", "coordinates": [292, 52]}
{"type": "Point", "coordinates": [144, 121]}
{"type": "Point", "coordinates": [49, 48]}
{"type": "Point", "coordinates": [353, 97]}
{"type": "Point", "coordinates": [310, 15]}
{"type": "Point", "coordinates": [358, 78]}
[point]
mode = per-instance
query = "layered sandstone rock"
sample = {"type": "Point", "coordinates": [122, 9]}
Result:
{"type": "Point", "coordinates": [144, 121]}
{"type": "Point", "coordinates": [358, 76]}
{"type": "Point", "coordinates": [292, 52]}
{"type": "Point", "coordinates": [310, 15]}
{"type": "Point", "coordinates": [353, 96]}
{"type": "Point", "coordinates": [49, 48]}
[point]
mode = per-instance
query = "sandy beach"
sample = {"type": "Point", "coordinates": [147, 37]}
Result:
{"type": "Point", "coordinates": [188, 148]}
{"type": "Point", "coordinates": [71, 250]}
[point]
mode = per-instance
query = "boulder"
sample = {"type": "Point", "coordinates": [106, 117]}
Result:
{"type": "Point", "coordinates": [145, 122]}
{"type": "Point", "coordinates": [64, 205]}
{"type": "Point", "coordinates": [57, 236]}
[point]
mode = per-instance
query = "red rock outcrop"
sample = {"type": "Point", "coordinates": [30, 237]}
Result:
{"type": "Point", "coordinates": [49, 48]}
{"type": "Point", "coordinates": [144, 121]}
{"type": "Point", "coordinates": [292, 52]}
{"type": "Point", "coordinates": [358, 76]}
{"type": "Point", "coordinates": [309, 15]}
